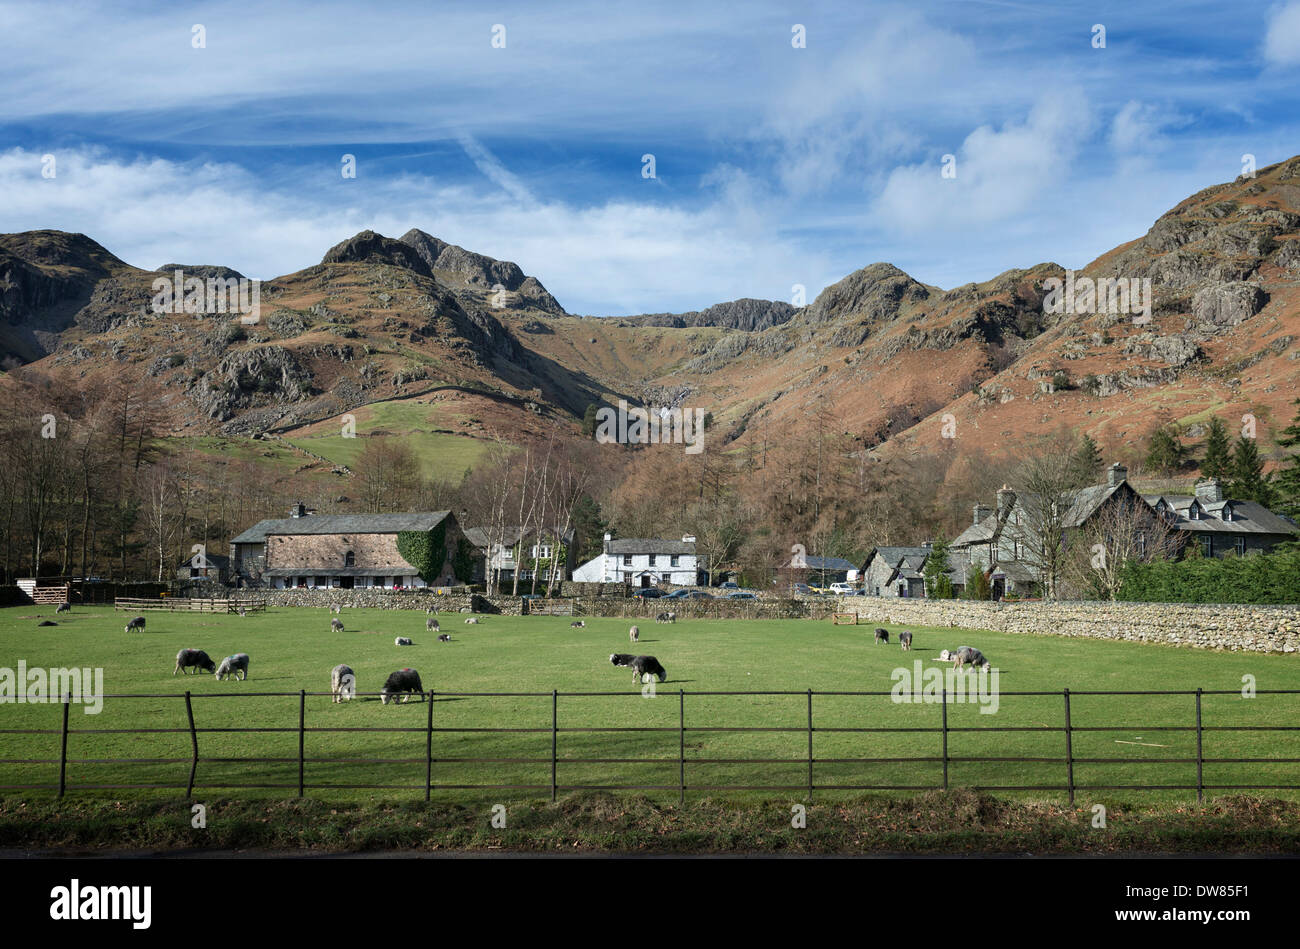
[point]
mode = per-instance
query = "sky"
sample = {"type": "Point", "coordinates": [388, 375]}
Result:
{"type": "Point", "coordinates": [215, 133]}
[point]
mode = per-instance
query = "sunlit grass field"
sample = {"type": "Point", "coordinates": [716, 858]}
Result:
{"type": "Point", "coordinates": [294, 649]}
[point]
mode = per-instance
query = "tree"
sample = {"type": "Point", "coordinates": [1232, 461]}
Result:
{"type": "Point", "coordinates": [937, 583]}
{"type": "Point", "coordinates": [589, 420]}
{"type": "Point", "coordinates": [1247, 473]}
{"type": "Point", "coordinates": [1088, 462]}
{"type": "Point", "coordinates": [1218, 453]}
{"type": "Point", "coordinates": [1165, 453]}
{"type": "Point", "coordinates": [977, 584]}
{"type": "Point", "coordinates": [1286, 485]}
{"type": "Point", "coordinates": [1125, 529]}
{"type": "Point", "coordinates": [1046, 487]}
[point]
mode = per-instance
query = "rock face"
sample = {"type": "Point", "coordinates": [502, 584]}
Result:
{"type": "Point", "coordinates": [873, 294]}
{"type": "Point", "coordinates": [375, 248]}
{"type": "Point", "coordinates": [456, 266]}
{"type": "Point", "coordinates": [250, 377]}
{"type": "Point", "coordinates": [1227, 304]}
{"type": "Point", "coordinates": [744, 314]}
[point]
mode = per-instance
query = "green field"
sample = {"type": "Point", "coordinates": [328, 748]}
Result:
{"type": "Point", "coordinates": [294, 650]}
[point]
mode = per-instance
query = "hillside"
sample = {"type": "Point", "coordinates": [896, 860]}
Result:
{"type": "Point", "coordinates": [419, 337]}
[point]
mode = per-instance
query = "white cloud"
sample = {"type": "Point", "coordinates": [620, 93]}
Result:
{"type": "Point", "coordinates": [999, 173]}
{"type": "Point", "coordinates": [1282, 42]}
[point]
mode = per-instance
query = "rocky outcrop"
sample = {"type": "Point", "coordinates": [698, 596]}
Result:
{"type": "Point", "coordinates": [1225, 305]}
{"type": "Point", "coordinates": [268, 374]}
{"type": "Point", "coordinates": [458, 267]}
{"type": "Point", "coordinates": [871, 295]}
{"type": "Point", "coordinates": [369, 247]}
{"type": "Point", "coordinates": [745, 314]}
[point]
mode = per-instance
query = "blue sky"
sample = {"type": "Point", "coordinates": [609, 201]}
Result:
{"type": "Point", "coordinates": [775, 166]}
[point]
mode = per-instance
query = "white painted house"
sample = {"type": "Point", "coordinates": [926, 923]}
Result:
{"type": "Point", "coordinates": [643, 562]}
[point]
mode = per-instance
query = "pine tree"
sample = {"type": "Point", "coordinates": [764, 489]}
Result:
{"type": "Point", "coordinates": [589, 420]}
{"type": "Point", "coordinates": [1088, 462]}
{"type": "Point", "coordinates": [1286, 487]}
{"type": "Point", "coordinates": [1165, 453]}
{"type": "Point", "coordinates": [1218, 452]}
{"type": "Point", "coordinates": [937, 583]}
{"type": "Point", "coordinates": [1247, 480]}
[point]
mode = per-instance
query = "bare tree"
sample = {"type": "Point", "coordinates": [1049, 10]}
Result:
{"type": "Point", "coordinates": [1123, 530]}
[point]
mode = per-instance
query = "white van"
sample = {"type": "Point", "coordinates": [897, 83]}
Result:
{"type": "Point", "coordinates": [843, 589]}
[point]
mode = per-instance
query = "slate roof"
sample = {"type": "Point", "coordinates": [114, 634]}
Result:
{"type": "Point", "coordinates": [341, 524]}
{"type": "Point", "coordinates": [403, 571]}
{"type": "Point", "coordinates": [1248, 517]}
{"type": "Point", "coordinates": [478, 536]}
{"type": "Point", "coordinates": [979, 533]}
{"type": "Point", "coordinates": [648, 545]}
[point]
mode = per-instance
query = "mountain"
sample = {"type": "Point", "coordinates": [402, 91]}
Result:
{"type": "Point", "coordinates": [878, 357]}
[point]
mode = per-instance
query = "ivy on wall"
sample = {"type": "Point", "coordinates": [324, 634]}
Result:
{"type": "Point", "coordinates": [426, 551]}
{"type": "Point", "coordinates": [462, 564]}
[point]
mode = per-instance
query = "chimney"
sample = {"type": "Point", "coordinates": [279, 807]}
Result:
{"type": "Point", "coordinates": [298, 510]}
{"type": "Point", "coordinates": [688, 538]}
{"type": "Point", "coordinates": [1006, 500]}
{"type": "Point", "coordinates": [981, 511]}
{"type": "Point", "coordinates": [1209, 491]}
{"type": "Point", "coordinates": [1115, 474]}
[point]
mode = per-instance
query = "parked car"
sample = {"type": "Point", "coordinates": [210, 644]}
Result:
{"type": "Point", "coordinates": [801, 589]}
{"type": "Point", "coordinates": [843, 589]}
{"type": "Point", "coordinates": [532, 596]}
{"type": "Point", "coordinates": [649, 593]}
{"type": "Point", "coordinates": [729, 585]}
{"type": "Point", "coordinates": [698, 595]}
{"type": "Point", "coordinates": [741, 595]}
{"type": "Point", "coordinates": [678, 595]}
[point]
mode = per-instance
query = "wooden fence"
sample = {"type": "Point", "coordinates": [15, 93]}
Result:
{"type": "Point", "coordinates": [252, 604]}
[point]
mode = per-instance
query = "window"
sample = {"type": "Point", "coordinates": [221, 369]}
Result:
{"type": "Point", "coordinates": [1239, 544]}
{"type": "Point", "coordinates": [1193, 513]}
{"type": "Point", "coordinates": [545, 551]}
{"type": "Point", "coordinates": [349, 559]}
{"type": "Point", "coordinates": [1207, 545]}
{"type": "Point", "coordinates": [1142, 544]}
{"type": "Point", "coordinates": [675, 560]}
{"type": "Point", "coordinates": [652, 560]}
{"type": "Point", "coordinates": [1227, 512]}
{"type": "Point", "coordinates": [627, 560]}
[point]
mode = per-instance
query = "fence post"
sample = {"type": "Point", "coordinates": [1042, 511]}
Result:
{"type": "Point", "coordinates": [63, 745]}
{"type": "Point", "coordinates": [943, 705]}
{"type": "Point", "coordinates": [810, 747]}
{"type": "Point", "coordinates": [1069, 748]}
{"type": "Point", "coordinates": [302, 738]}
{"type": "Point", "coordinates": [194, 746]}
{"type": "Point", "coordinates": [555, 731]}
{"type": "Point", "coordinates": [428, 751]}
{"type": "Point", "coordinates": [1200, 758]}
{"type": "Point", "coordinates": [681, 744]}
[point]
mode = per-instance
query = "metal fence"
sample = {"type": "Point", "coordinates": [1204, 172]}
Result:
{"type": "Point", "coordinates": [942, 731]}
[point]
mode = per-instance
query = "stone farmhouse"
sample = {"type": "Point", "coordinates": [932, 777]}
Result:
{"type": "Point", "coordinates": [1219, 525]}
{"type": "Point", "coordinates": [519, 549]}
{"type": "Point", "coordinates": [644, 562]}
{"type": "Point", "coordinates": [339, 551]}
{"type": "Point", "coordinates": [895, 571]}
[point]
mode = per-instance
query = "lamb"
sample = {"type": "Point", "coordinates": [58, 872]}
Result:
{"type": "Point", "coordinates": [882, 635]}
{"type": "Point", "coordinates": [431, 625]}
{"type": "Point", "coordinates": [401, 641]}
{"type": "Point", "coordinates": [403, 680]}
{"type": "Point", "coordinates": [232, 666]}
{"type": "Point", "coordinates": [634, 633]}
{"type": "Point", "coordinates": [336, 626]}
{"type": "Point", "coordinates": [666, 618]}
{"type": "Point", "coordinates": [905, 640]}
{"type": "Point", "coordinates": [647, 665]}
{"type": "Point", "coordinates": [242, 611]}
{"type": "Point", "coordinates": [432, 611]}
{"type": "Point", "coordinates": [137, 623]}
{"type": "Point", "coordinates": [472, 621]}
{"type": "Point", "coordinates": [64, 607]}
{"type": "Point", "coordinates": [578, 624]}
{"type": "Point", "coordinates": [195, 658]}
{"type": "Point", "coordinates": [445, 638]}
{"type": "Point", "coordinates": [343, 683]}
{"type": "Point", "coordinates": [968, 656]}
{"type": "Point", "coordinates": [336, 609]}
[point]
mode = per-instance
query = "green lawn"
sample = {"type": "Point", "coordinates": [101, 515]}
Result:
{"type": "Point", "coordinates": [294, 649]}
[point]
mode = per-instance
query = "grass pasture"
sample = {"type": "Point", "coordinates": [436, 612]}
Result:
{"type": "Point", "coordinates": [293, 649]}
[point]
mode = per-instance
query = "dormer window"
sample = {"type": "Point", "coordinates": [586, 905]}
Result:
{"type": "Point", "coordinates": [1227, 512]}
{"type": "Point", "coordinates": [1194, 512]}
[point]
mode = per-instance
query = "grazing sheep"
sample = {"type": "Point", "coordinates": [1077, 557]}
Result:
{"type": "Point", "coordinates": [234, 666]}
{"type": "Point", "coordinates": [343, 683]}
{"type": "Point", "coordinates": [46, 622]}
{"type": "Point", "coordinates": [242, 611]}
{"type": "Point", "coordinates": [945, 655]}
{"type": "Point", "coordinates": [634, 633]}
{"type": "Point", "coordinates": [403, 680]}
{"type": "Point", "coordinates": [64, 607]}
{"type": "Point", "coordinates": [647, 665]}
{"type": "Point", "coordinates": [445, 638]}
{"type": "Point", "coordinates": [432, 611]}
{"type": "Point", "coordinates": [336, 626]}
{"type": "Point", "coordinates": [193, 658]}
{"type": "Point", "coordinates": [968, 656]}
{"type": "Point", "coordinates": [401, 641]}
{"type": "Point", "coordinates": [472, 621]}
{"type": "Point", "coordinates": [905, 640]}
{"type": "Point", "coordinates": [431, 625]}
{"type": "Point", "coordinates": [672, 617]}
{"type": "Point", "coordinates": [620, 659]}
{"type": "Point", "coordinates": [137, 623]}
{"type": "Point", "coordinates": [578, 624]}
{"type": "Point", "coordinates": [336, 609]}
{"type": "Point", "coordinates": [882, 635]}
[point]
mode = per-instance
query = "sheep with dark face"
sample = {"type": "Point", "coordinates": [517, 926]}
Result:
{"type": "Point", "coordinates": [578, 624]}
{"type": "Point", "coordinates": [343, 683]}
{"type": "Point", "coordinates": [64, 607]}
{"type": "Point", "coordinates": [195, 659]}
{"type": "Point", "coordinates": [968, 656]}
{"type": "Point", "coordinates": [401, 641]}
{"type": "Point", "coordinates": [401, 681]}
{"type": "Point", "coordinates": [472, 621]}
{"type": "Point", "coordinates": [444, 638]}
{"type": "Point", "coordinates": [431, 625]}
{"type": "Point", "coordinates": [336, 626]}
{"type": "Point", "coordinates": [905, 640]}
{"type": "Point", "coordinates": [432, 611]}
{"type": "Point", "coordinates": [232, 667]}
{"type": "Point", "coordinates": [137, 623]}
{"type": "Point", "coordinates": [643, 666]}
{"type": "Point", "coordinates": [621, 659]}
{"type": "Point", "coordinates": [882, 635]}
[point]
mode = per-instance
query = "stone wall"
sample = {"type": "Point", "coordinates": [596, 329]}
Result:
{"type": "Point", "coordinates": [1227, 626]}
{"type": "Point", "coordinates": [378, 599]}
